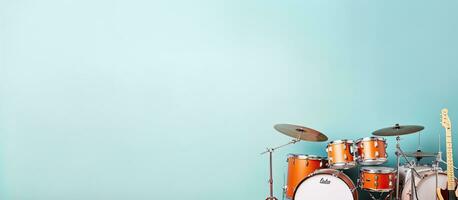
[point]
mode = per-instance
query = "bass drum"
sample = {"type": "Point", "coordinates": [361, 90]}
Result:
{"type": "Point", "coordinates": [425, 184]}
{"type": "Point", "coordinates": [328, 184]}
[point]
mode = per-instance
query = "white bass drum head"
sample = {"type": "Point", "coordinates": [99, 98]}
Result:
{"type": "Point", "coordinates": [323, 186]}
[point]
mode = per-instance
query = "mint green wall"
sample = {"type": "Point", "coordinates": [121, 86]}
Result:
{"type": "Point", "coordinates": [175, 99]}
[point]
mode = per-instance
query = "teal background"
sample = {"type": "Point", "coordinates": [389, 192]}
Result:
{"type": "Point", "coordinates": [176, 99]}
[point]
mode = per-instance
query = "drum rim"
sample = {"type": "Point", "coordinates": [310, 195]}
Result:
{"type": "Point", "coordinates": [306, 157]}
{"type": "Point", "coordinates": [343, 165]}
{"type": "Point", "coordinates": [371, 138]}
{"type": "Point", "coordinates": [341, 141]}
{"type": "Point", "coordinates": [377, 161]}
{"type": "Point", "coordinates": [380, 170]}
{"type": "Point", "coordinates": [424, 172]}
{"type": "Point", "coordinates": [336, 173]}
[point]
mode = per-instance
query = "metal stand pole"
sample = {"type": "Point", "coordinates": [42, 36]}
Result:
{"type": "Point", "coordinates": [414, 172]}
{"type": "Point", "coordinates": [283, 145]}
{"type": "Point", "coordinates": [414, 195]}
{"type": "Point", "coordinates": [271, 180]}
{"type": "Point", "coordinates": [436, 168]}
{"type": "Point", "coordinates": [397, 166]}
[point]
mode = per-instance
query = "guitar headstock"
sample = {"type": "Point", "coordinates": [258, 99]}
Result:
{"type": "Point", "coordinates": [445, 119]}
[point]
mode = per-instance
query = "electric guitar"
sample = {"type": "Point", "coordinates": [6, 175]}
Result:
{"type": "Point", "coordinates": [450, 193]}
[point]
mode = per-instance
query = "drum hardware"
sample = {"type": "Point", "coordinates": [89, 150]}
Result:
{"type": "Point", "coordinates": [412, 185]}
{"type": "Point", "coordinates": [284, 187]}
{"type": "Point", "coordinates": [398, 130]}
{"type": "Point", "coordinates": [443, 162]}
{"type": "Point", "coordinates": [418, 158]}
{"type": "Point", "coordinates": [400, 153]}
{"type": "Point", "coordinates": [421, 182]}
{"type": "Point", "coordinates": [271, 181]}
{"type": "Point", "coordinates": [418, 155]}
{"type": "Point", "coordinates": [298, 133]}
{"type": "Point", "coordinates": [380, 196]}
{"type": "Point", "coordinates": [413, 171]}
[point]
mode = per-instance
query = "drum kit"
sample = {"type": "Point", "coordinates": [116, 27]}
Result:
{"type": "Point", "coordinates": [316, 177]}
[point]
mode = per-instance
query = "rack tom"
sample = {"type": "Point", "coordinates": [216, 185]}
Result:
{"type": "Point", "coordinates": [377, 179]}
{"type": "Point", "coordinates": [371, 151]}
{"type": "Point", "coordinates": [299, 167]}
{"type": "Point", "coordinates": [341, 154]}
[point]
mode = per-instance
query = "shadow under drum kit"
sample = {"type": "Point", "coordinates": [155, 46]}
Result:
{"type": "Point", "coordinates": [316, 177]}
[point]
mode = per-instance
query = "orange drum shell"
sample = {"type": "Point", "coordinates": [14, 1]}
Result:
{"type": "Point", "coordinates": [371, 150]}
{"type": "Point", "coordinates": [380, 182]}
{"type": "Point", "coordinates": [340, 153]}
{"type": "Point", "coordinates": [298, 169]}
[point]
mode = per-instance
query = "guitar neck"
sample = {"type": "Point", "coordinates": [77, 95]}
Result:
{"type": "Point", "coordinates": [450, 171]}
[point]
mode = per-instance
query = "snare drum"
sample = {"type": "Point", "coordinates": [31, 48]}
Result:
{"type": "Point", "coordinates": [371, 151]}
{"type": "Point", "coordinates": [341, 154]}
{"type": "Point", "coordinates": [377, 179]}
{"type": "Point", "coordinates": [299, 167]}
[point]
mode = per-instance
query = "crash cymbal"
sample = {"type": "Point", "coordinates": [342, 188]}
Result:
{"type": "Point", "coordinates": [420, 154]}
{"type": "Point", "coordinates": [300, 132]}
{"type": "Point", "coordinates": [397, 130]}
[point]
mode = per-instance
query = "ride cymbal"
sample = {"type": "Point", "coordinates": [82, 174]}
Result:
{"type": "Point", "coordinates": [300, 132]}
{"type": "Point", "coordinates": [397, 130]}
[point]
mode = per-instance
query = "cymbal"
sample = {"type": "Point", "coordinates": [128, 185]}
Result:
{"type": "Point", "coordinates": [397, 130]}
{"type": "Point", "coordinates": [300, 132]}
{"type": "Point", "coordinates": [420, 154]}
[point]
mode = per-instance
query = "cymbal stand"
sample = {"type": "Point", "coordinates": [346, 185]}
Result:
{"type": "Point", "coordinates": [284, 187]}
{"type": "Point", "coordinates": [372, 196]}
{"type": "Point", "coordinates": [436, 167]}
{"type": "Point", "coordinates": [400, 153]}
{"type": "Point", "coordinates": [443, 162]}
{"type": "Point", "coordinates": [397, 166]}
{"type": "Point", "coordinates": [271, 180]}
{"type": "Point", "coordinates": [437, 163]}
{"type": "Point", "coordinates": [412, 185]}
{"type": "Point", "coordinates": [380, 196]}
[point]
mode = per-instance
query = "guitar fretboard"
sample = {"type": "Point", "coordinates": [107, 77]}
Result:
{"type": "Point", "coordinates": [450, 170]}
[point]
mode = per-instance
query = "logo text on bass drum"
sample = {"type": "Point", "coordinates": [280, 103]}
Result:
{"type": "Point", "coordinates": [325, 181]}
